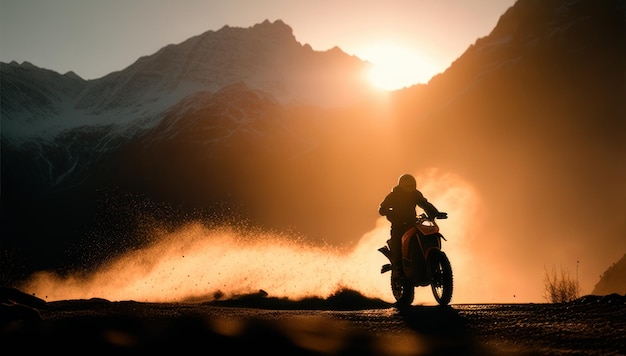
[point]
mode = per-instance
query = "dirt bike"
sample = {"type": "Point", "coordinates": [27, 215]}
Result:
{"type": "Point", "coordinates": [423, 263]}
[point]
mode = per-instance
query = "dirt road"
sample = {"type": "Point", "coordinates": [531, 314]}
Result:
{"type": "Point", "coordinates": [591, 325]}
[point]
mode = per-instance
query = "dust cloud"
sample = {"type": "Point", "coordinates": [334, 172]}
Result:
{"type": "Point", "coordinates": [200, 263]}
{"type": "Point", "coordinates": [197, 263]}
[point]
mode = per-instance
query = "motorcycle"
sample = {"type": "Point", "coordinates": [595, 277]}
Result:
{"type": "Point", "coordinates": [423, 262]}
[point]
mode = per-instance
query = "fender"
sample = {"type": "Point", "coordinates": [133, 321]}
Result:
{"type": "Point", "coordinates": [433, 247]}
{"type": "Point", "coordinates": [427, 252]}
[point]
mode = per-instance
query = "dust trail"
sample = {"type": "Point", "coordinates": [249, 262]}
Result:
{"type": "Point", "coordinates": [200, 263]}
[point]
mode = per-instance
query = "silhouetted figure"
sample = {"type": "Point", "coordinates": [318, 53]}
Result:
{"type": "Point", "coordinates": [399, 208]}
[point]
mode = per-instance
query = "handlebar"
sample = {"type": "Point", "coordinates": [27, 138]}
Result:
{"type": "Point", "coordinates": [440, 215]}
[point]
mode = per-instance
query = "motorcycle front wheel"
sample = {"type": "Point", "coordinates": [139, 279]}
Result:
{"type": "Point", "coordinates": [441, 277]}
{"type": "Point", "coordinates": [403, 291]}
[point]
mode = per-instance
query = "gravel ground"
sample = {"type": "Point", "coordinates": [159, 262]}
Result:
{"type": "Point", "coordinates": [346, 325]}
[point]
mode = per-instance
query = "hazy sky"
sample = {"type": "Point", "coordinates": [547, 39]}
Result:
{"type": "Point", "coordinates": [93, 37]}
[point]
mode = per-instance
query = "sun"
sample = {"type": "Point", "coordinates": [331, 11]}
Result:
{"type": "Point", "coordinates": [395, 67]}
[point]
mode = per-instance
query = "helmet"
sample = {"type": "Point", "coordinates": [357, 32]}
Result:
{"type": "Point", "coordinates": [407, 182]}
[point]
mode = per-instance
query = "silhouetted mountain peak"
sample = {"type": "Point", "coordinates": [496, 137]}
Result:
{"type": "Point", "coordinates": [277, 29]}
{"type": "Point", "coordinates": [581, 44]}
{"type": "Point", "coordinates": [265, 56]}
{"type": "Point", "coordinates": [613, 280]}
{"type": "Point", "coordinates": [73, 75]}
{"type": "Point", "coordinates": [536, 22]}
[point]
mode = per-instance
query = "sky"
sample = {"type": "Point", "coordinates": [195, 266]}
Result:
{"type": "Point", "coordinates": [93, 38]}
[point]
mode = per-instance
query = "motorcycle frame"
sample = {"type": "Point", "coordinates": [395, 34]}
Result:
{"type": "Point", "coordinates": [417, 243]}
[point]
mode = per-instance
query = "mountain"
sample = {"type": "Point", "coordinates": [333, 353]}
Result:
{"type": "Point", "coordinates": [66, 140]}
{"type": "Point", "coordinates": [266, 57]}
{"type": "Point", "coordinates": [613, 280]}
{"type": "Point", "coordinates": [43, 106]}
{"type": "Point", "coordinates": [248, 124]}
{"type": "Point", "coordinates": [533, 115]}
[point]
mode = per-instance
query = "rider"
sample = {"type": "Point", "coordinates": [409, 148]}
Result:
{"type": "Point", "coordinates": [399, 208]}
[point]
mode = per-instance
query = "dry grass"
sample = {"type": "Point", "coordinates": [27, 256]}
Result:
{"type": "Point", "coordinates": [560, 287]}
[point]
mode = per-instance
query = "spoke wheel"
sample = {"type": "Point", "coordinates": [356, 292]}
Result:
{"type": "Point", "coordinates": [403, 291]}
{"type": "Point", "coordinates": [441, 277]}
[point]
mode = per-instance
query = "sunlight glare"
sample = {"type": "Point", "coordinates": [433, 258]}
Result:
{"type": "Point", "coordinates": [395, 67]}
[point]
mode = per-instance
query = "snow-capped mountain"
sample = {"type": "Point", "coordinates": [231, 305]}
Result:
{"type": "Point", "coordinates": [62, 135]}
{"type": "Point", "coordinates": [33, 98]}
{"type": "Point", "coordinates": [265, 57]}
{"type": "Point", "coordinates": [251, 119]}
{"type": "Point", "coordinates": [43, 108]}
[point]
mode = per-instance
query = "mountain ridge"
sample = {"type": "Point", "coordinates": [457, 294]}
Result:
{"type": "Point", "coordinates": [266, 56]}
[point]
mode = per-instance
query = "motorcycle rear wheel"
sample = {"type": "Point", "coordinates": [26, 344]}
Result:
{"type": "Point", "coordinates": [403, 291]}
{"type": "Point", "coordinates": [441, 277]}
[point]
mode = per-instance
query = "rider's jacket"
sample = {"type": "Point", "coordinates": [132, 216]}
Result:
{"type": "Point", "coordinates": [399, 206]}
